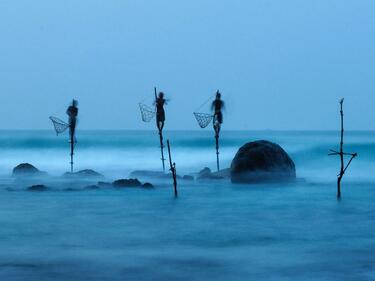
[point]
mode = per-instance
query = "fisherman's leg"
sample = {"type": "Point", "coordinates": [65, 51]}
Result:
{"type": "Point", "coordinates": [158, 125]}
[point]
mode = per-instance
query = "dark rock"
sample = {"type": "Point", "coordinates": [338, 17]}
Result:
{"type": "Point", "coordinates": [151, 174]}
{"type": "Point", "coordinates": [71, 189]}
{"type": "Point", "coordinates": [37, 187]}
{"type": "Point", "coordinates": [206, 174]}
{"type": "Point", "coordinates": [127, 183]}
{"type": "Point", "coordinates": [91, 187]}
{"type": "Point", "coordinates": [147, 185]}
{"type": "Point", "coordinates": [225, 173]}
{"type": "Point", "coordinates": [262, 161]}
{"type": "Point", "coordinates": [188, 178]}
{"type": "Point", "coordinates": [87, 173]}
{"type": "Point", "coordinates": [148, 174]}
{"type": "Point", "coordinates": [26, 169]}
{"type": "Point", "coordinates": [104, 184]}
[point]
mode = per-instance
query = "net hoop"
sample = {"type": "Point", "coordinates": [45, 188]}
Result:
{"type": "Point", "coordinates": [59, 125]}
{"type": "Point", "coordinates": [147, 113]}
{"type": "Point", "coordinates": [203, 119]}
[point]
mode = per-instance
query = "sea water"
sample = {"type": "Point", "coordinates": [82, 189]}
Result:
{"type": "Point", "coordinates": [214, 230]}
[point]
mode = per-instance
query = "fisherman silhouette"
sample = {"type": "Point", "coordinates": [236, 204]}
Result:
{"type": "Point", "coordinates": [217, 106]}
{"type": "Point", "coordinates": [160, 113]}
{"type": "Point", "coordinates": [72, 112]}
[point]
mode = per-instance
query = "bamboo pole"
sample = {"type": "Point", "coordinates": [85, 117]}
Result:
{"type": "Point", "coordinates": [217, 152]}
{"type": "Point", "coordinates": [72, 143]}
{"type": "Point", "coordinates": [173, 170]}
{"type": "Point", "coordinates": [216, 128]}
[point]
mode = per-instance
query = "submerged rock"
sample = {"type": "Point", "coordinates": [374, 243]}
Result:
{"type": "Point", "coordinates": [26, 169]}
{"type": "Point", "coordinates": [37, 187]}
{"type": "Point", "coordinates": [87, 173]}
{"type": "Point", "coordinates": [71, 189]}
{"type": "Point", "coordinates": [91, 187]}
{"type": "Point", "coordinates": [127, 183]}
{"type": "Point", "coordinates": [151, 174]}
{"type": "Point", "coordinates": [222, 174]}
{"type": "Point", "coordinates": [147, 185]}
{"type": "Point", "coordinates": [207, 174]}
{"type": "Point", "coordinates": [104, 184]}
{"type": "Point", "coordinates": [261, 161]}
{"type": "Point", "coordinates": [188, 178]}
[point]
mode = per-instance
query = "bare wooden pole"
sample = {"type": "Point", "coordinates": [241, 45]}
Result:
{"type": "Point", "coordinates": [217, 151]}
{"type": "Point", "coordinates": [217, 129]}
{"type": "Point", "coordinates": [339, 178]}
{"type": "Point", "coordinates": [72, 142]}
{"type": "Point", "coordinates": [160, 135]}
{"type": "Point", "coordinates": [71, 157]}
{"type": "Point", "coordinates": [341, 153]}
{"type": "Point", "coordinates": [173, 170]}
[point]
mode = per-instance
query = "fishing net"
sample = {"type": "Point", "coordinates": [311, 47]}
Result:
{"type": "Point", "coordinates": [147, 112]}
{"type": "Point", "coordinates": [203, 119]}
{"type": "Point", "coordinates": [59, 125]}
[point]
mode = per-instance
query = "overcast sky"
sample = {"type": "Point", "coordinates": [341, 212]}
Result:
{"type": "Point", "coordinates": [279, 64]}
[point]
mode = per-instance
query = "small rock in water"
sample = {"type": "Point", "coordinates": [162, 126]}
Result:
{"type": "Point", "coordinates": [37, 187]}
{"type": "Point", "coordinates": [91, 187]}
{"type": "Point", "coordinates": [26, 169]}
{"type": "Point", "coordinates": [206, 174]}
{"type": "Point", "coordinates": [127, 183]}
{"type": "Point", "coordinates": [224, 173]}
{"type": "Point", "coordinates": [147, 185]}
{"type": "Point", "coordinates": [71, 189]}
{"type": "Point", "coordinates": [85, 173]}
{"type": "Point", "coordinates": [148, 174]}
{"type": "Point", "coordinates": [104, 184]}
{"type": "Point", "coordinates": [188, 178]}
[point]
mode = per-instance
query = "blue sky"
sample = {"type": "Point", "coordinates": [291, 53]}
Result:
{"type": "Point", "coordinates": [280, 64]}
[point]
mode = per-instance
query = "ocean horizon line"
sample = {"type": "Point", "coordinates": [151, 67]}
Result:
{"type": "Point", "coordinates": [198, 130]}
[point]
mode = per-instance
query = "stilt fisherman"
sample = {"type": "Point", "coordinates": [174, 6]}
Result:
{"type": "Point", "coordinates": [72, 112]}
{"type": "Point", "coordinates": [217, 107]}
{"type": "Point", "coordinates": [160, 101]}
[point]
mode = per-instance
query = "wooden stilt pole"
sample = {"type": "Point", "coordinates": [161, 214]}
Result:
{"type": "Point", "coordinates": [341, 153]}
{"type": "Point", "coordinates": [162, 150]}
{"type": "Point", "coordinates": [71, 151]}
{"type": "Point", "coordinates": [216, 128]}
{"type": "Point", "coordinates": [173, 170]}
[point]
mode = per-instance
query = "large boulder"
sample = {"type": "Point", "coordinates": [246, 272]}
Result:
{"type": "Point", "coordinates": [26, 169]}
{"type": "Point", "coordinates": [262, 161]}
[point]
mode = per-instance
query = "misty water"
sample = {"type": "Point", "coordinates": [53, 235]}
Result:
{"type": "Point", "coordinates": [214, 231]}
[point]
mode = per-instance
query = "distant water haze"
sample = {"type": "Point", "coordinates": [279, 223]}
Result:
{"type": "Point", "coordinates": [279, 64]}
{"type": "Point", "coordinates": [117, 153]}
